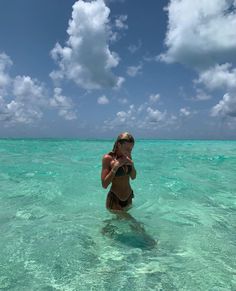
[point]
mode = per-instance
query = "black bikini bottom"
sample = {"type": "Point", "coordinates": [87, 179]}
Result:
{"type": "Point", "coordinates": [113, 200]}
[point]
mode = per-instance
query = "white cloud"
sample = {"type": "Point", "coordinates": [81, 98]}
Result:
{"type": "Point", "coordinates": [28, 90]}
{"type": "Point", "coordinates": [226, 106]}
{"type": "Point", "coordinates": [155, 115]}
{"type": "Point", "coordinates": [141, 117]}
{"type": "Point", "coordinates": [120, 22]}
{"type": "Point", "coordinates": [86, 59]}
{"type": "Point", "coordinates": [5, 62]}
{"type": "Point", "coordinates": [200, 33]}
{"type": "Point", "coordinates": [122, 118]}
{"type": "Point", "coordinates": [184, 112]}
{"type": "Point", "coordinates": [201, 95]}
{"type": "Point", "coordinates": [154, 98]}
{"type": "Point", "coordinates": [5, 80]}
{"type": "Point", "coordinates": [150, 58]}
{"type": "Point", "coordinates": [142, 107]}
{"type": "Point", "coordinates": [133, 71]}
{"type": "Point", "coordinates": [133, 48]}
{"type": "Point", "coordinates": [103, 100]}
{"type": "Point", "coordinates": [27, 98]}
{"type": "Point", "coordinates": [219, 76]}
{"type": "Point", "coordinates": [126, 115]}
{"type": "Point", "coordinates": [123, 101]}
{"type": "Point", "coordinates": [114, 36]}
{"type": "Point", "coordinates": [63, 104]}
{"type": "Point", "coordinates": [17, 112]}
{"type": "Point", "coordinates": [4, 115]}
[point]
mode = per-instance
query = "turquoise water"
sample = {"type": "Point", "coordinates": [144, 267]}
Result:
{"type": "Point", "coordinates": [57, 235]}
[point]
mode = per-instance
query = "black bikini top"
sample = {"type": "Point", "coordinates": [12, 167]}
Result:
{"type": "Point", "coordinates": [123, 170]}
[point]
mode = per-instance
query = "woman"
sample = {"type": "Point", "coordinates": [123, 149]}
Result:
{"type": "Point", "coordinates": [117, 169]}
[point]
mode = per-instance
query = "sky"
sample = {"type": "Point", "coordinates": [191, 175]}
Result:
{"type": "Point", "coordinates": [92, 69]}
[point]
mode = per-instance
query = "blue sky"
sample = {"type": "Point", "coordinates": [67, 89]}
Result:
{"type": "Point", "coordinates": [91, 69]}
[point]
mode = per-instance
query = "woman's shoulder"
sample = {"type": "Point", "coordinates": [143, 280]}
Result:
{"type": "Point", "coordinates": [106, 161]}
{"type": "Point", "coordinates": [108, 156]}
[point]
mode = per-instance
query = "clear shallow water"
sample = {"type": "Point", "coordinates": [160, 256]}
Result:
{"type": "Point", "coordinates": [57, 235]}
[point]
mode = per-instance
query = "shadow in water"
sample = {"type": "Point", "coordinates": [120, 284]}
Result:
{"type": "Point", "coordinates": [125, 229]}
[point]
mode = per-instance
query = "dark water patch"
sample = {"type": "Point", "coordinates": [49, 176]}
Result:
{"type": "Point", "coordinates": [128, 234]}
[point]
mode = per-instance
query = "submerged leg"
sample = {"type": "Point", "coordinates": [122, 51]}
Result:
{"type": "Point", "coordinates": [139, 238]}
{"type": "Point", "coordinates": [135, 225]}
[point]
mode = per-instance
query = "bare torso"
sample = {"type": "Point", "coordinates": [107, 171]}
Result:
{"type": "Point", "coordinates": [121, 187]}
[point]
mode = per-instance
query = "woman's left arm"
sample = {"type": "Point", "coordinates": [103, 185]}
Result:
{"type": "Point", "coordinates": [133, 172]}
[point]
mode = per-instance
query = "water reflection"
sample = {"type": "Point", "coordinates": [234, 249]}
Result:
{"type": "Point", "coordinates": [125, 229]}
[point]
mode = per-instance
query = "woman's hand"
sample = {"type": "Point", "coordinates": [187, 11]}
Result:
{"type": "Point", "coordinates": [118, 163]}
{"type": "Point", "coordinates": [124, 160]}
{"type": "Point", "coordinates": [129, 161]}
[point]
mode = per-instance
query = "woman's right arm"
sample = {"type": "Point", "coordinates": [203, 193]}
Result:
{"type": "Point", "coordinates": [108, 173]}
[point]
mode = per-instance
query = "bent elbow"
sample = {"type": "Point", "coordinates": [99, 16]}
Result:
{"type": "Point", "coordinates": [104, 185]}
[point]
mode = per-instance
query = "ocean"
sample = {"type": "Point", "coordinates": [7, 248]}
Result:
{"type": "Point", "coordinates": [56, 233]}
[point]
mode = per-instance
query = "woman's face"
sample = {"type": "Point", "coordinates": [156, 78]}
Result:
{"type": "Point", "coordinates": [126, 147]}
